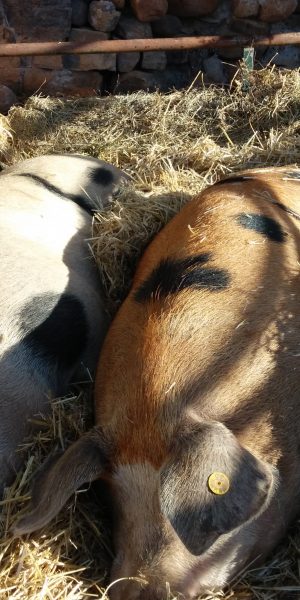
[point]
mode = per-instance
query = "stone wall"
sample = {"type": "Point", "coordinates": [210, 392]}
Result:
{"type": "Point", "coordinates": [89, 20]}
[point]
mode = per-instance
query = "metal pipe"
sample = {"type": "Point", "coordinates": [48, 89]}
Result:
{"type": "Point", "coordinates": [146, 45]}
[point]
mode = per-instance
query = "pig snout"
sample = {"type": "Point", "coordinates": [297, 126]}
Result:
{"type": "Point", "coordinates": [132, 590]}
{"type": "Point", "coordinates": [171, 575]}
{"type": "Point", "coordinates": [136, 589]}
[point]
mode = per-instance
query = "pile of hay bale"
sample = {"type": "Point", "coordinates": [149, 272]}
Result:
{"type": "Point", "coordinates": [172, 146]}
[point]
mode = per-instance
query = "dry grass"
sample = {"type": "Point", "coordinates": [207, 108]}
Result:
{"type": "Point", "coordinates": [172, 146]}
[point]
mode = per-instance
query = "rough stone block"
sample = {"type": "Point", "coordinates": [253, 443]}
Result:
{"type": "Point", "coordinates": [11, 71]}
{"type": "Point", "coordinates": [35, 79]}
{"type": "Point", "coordinates": [7, 99]}
{"type": "Point", "coordinates": [39, 20]}
{"type": "Point", "coordinates": [130, 28]}
{"type": "Point", "coordinates": [214, 69]}
{"type": "Point", "coordinates": [250, 26]}
{"type": "Point", "coordinates": [10, 76]}
{"type": "Point", "coordinates": [90, 62]}
{"type": "Point", "coordinates": [156, 61]}
{"type": "Point", "coordinates": [149, 10]}
{"type": "Point", "coordinates": [174, 77]}
{"type": "Point", "coordinates": [156, 80]}
{"type": "Point", "coordinates": [127, 61]}
{"type": "Point", "coordinates": [62, 82]}
{"type": "Point", "coordinates": [84, 34]}
{"type": "Point", "coordinates": [7, 34]}
{"type": "Point", "coordinates": [48, 62]}
{"type": "Point", "coordinates": [103, 15]}
{"type": "Point", "coordinates": [133, 81]}
{"type": "Point", "coordinates": [119, 4]}
{"type": "Point", "coordinates": [232, 53]}
{"type": "Point", "coordinates": [276, 10]}
{"type": "Point", "coordinates": [167, 26]}
{"type": "Point", "coordinates": [245, 8]}
{"type": "Point", "coordinates": [9, 62]}
{"type": "Point", "coordinates": [79, 12]}
{"type": "Point", "coordinates": [177, 57]}
{"type": "Point", "coordinates": [195, 60]}
{"type": "Point", "coordinates": [283, 56]}
{"type": "Point", "coordinates": [192, 8]}
{"type": "Point", "coordinates": [203, 26]}
{"type": "Point", "coordinates": [222, 12]}
{"type": "Point", "coordinates": [283, 26]}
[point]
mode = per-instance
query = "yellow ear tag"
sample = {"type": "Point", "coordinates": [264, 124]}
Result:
{"type": "Point", "coordinates": [218, 483]}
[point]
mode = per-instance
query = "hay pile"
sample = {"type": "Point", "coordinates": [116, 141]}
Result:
{"type": "Point", "coordinates": [172, 146]}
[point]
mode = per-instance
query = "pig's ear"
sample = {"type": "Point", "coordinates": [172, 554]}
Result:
{"type": "Point", "coordinates": [83, 462]}
{"type": "Point", "coordinates": [211, 485]}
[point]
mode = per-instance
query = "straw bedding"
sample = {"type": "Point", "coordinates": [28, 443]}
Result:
{"type": "Point", "coordinates": [172, 146]}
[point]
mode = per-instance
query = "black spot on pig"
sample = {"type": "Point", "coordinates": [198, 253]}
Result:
{"type": "Point", "coordinates": [261, 224]}
{"type": "Point", "coordinates": [55, 329]}
{"type": "Point", "coordinates": [101, 176]}
{"type": "Point", "coordinates": [237, 179]}
{"type": "Point", "coordinates": [81, 200]}
{"type": "Point", "coordinates": [172, 276]}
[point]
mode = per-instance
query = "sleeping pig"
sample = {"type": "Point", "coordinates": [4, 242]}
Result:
{"type": "Point", "coordinates": [52, 307]}
{"type": "Point", "coordinates": [197, 396]}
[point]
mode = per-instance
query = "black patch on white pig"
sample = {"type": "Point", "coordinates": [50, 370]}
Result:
{"type": "Point", "coordinates": [55, 329]}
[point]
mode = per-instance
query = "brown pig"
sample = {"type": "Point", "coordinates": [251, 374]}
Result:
{"type": "Point", "coordinates": [197, 395]}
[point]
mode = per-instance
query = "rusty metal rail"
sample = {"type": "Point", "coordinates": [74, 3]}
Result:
{"type": "Point", "coordinates": [146, 45]}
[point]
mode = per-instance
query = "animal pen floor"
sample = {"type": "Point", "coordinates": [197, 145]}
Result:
{"type": "Point", "coordinates": [173, 146]}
